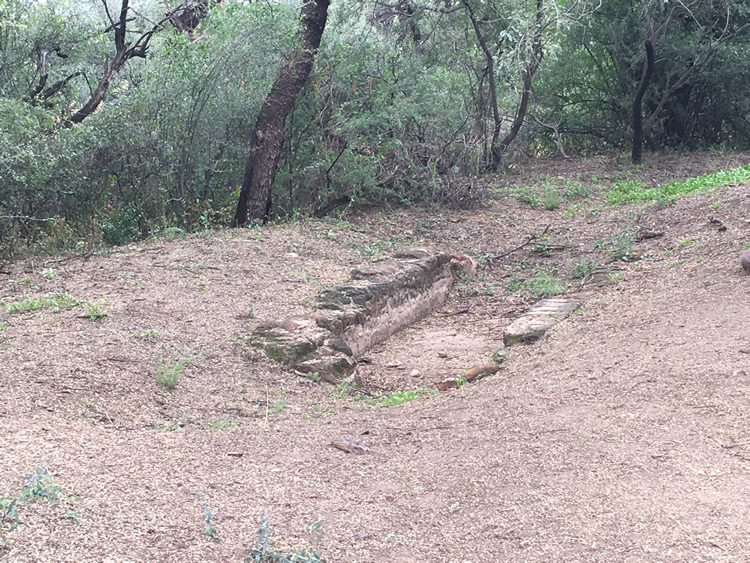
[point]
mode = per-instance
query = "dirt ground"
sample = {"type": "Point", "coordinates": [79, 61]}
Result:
{"type": "Point", "coordinates": [623, 435]}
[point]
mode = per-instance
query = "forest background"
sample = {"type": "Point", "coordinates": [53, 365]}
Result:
{"type": "Point", "coordinates": [124, 119]}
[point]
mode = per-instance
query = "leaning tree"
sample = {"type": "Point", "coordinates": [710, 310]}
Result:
{"type": "Point", "coordinates": [267, 141]}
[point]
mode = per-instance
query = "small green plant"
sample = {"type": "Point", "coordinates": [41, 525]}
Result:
{"type": "Point", "coordinates": [614, 277]}
{"type": "Point", "coordinates": [3, 325]}
{"type": "Point", "coordinates": [222, 424]}
{"type": "Point", "coordinates": [572, 210]}
{"type": "Point", "coordinates": [551, 198]}
{"type": "Point", "coordinates": [65, 300]}
{"type": "Point", "coordinates": [96, 310]}
{"type": "Point", "coordinates": [525, 194]}
{"type": "Point", "coordinates": [40, 486]}
{"type": "Point", "coordinates": [664, 200]}
{"type": "Point", "coordinates": [251, 311]}
{"type": "Point", "coordinates": [577, 191]}
{"type": "Point", "coordinates": [314, 376]}
{"type": "Point", "coordinates": [400, 397]}
{"type": "Point", "coordinates": [74, 514]}
{"type": "Point", "coordinates": [146, 333]}
{"type": "Point", "coordinates": [276, 407]}
{"type": "Point", "coordinates": [686, 241]}
{"type": "Point", "coordinates": [500, 355]}
{"type": "Point", "coordinates": [746, 245]}
{"type": "Point", "coordinates": [460, 381]}
{"type": "Point", "coordinates": [49, 273]}
{"type": "Point", "coordinates": [544, 284]}
{"type": "Point", "coordinates": [621, 246]}
{"type": "Point", "coordinates": [541, 247]}
{"type": "Point", "coordinates": [168, 372]}
{"type": "Point", "coordinates": [8, 512]}
{"type": "Point", "coordinates": [28, 304]}
{"type": "Point", "coordinates": [210, 528]}
{"type": "Point", "coordinates": [582, 267]}
{"type": "Point", "coordinates": [262, 551]}
{"type": "Point", "coordinates": [170, 426]}
{"type": "Point", "coordinates": [715, 205]}
{"type": "Point", "coordinates": [594, 212]}
{"type": "Point", "coordinates": [347, 389]}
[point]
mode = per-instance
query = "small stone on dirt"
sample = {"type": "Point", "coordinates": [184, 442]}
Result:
{"type": "Point", "coordinates": [395, 364]}
{"type": "Point", "coordinates": [415, 373]}
{"type": "Point", "coordinates": [350, 446]}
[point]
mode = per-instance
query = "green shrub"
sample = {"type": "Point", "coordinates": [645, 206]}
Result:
{"type": "Point", "coordinates": [582, 267]}
{"type": "Point", "coordinates": [168, 372]}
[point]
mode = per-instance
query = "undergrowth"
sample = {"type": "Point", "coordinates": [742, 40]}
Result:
{"type": "Point", "coordinates": [56, 303]}
{"type": "Point", "coordinates": [630, 191]}
{"type": "Point", "coordinates": [40, 486]}
{"type": "Point", "coordinates": [543, 284]}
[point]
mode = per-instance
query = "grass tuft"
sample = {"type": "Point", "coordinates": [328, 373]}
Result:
{"type": "Point", "coordinates": [28, 304]}
{"type": "Point", "coordinates": [400, 397]}
{"type": "Point", "coordinates": [96, 310]}
{"type": "Point", "coordinates": [168, 372]}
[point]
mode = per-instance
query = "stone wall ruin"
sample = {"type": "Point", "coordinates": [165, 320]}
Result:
{"type": "Point", "coordinates": [382, 298]}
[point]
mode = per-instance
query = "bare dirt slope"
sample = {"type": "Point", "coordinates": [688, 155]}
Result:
{"type": "Point", "coordinates": [623, 435]}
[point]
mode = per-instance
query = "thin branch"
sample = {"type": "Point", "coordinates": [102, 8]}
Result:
{"type": "Point", "coordinates": [531, 239]}
{"type": "Point", "coordinates": [59, 85]}
{"type": "Point", "coordinates": [109, 16]}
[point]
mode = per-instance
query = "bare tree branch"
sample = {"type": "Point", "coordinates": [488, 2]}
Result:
{"type": "Point", "coordinates": [124, 51]}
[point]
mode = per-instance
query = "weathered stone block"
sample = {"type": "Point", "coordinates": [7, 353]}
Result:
{"type": "Point", "coordinates": [538, 320]}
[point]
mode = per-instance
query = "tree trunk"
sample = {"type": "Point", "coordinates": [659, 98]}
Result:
{"type": "Point", "coordinates": [528, 75]}
{"type": "Point", "coordinates": [495, 155]}
{"type": "Point", "coordinates": [648, 70]}
{"type": "Point", "coordinates": [268, 138]}
{"type": "Point", "coordinates": [97, 96]}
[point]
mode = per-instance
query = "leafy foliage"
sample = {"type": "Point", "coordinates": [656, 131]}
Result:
{"type": "Point", "coordinates": [628, 192]}
{"type": "Point", "coordinates": [397, 109]}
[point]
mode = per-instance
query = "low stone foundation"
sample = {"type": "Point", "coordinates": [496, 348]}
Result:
{"type": "Point", "coordinates": [382, 298]}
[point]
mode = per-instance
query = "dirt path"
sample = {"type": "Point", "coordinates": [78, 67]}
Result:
{"type": "Point", "coordinates": [624, 435]}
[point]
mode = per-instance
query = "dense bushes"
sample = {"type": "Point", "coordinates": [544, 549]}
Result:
{"type": "Point", "coordinates": [397, 108]}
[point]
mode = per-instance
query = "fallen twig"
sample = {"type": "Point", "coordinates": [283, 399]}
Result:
{"type": "Point", "coordinates": [454, 313]}
{"type": "Point", "coordinates": [531, 239]}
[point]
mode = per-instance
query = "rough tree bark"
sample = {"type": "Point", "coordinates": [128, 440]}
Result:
{"type": "Point", "coordinates": [268, 138]}
{"type": "Point", "coordinates": [648, 70]}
